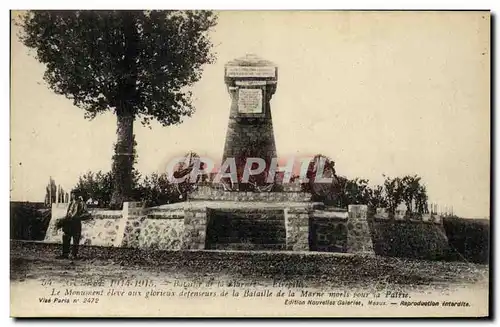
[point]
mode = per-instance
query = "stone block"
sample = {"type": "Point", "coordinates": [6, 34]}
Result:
{"type": "Point", "coordinates": [358, 211]}
{"type": "Point", "coordinates": [358, 232]}
{"type": "Point", "coordinates": [297, 230]}
{"type": "Point", "coordinates": [300, 246]}
{"type": "Point", "coordinates": [194, 232]}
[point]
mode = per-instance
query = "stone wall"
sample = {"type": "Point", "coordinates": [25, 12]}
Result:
{"type": "Point", "coordinates": [162, 234]}
{"type": "Point", "coordinates": [403, 236]}
{"type": "Point", "coordinates": [336, 230]}
{"type": "Point", "coordinates": [403, 215]}
{"type": "Point", "coordinates": [134, 226]}
{"type": "Point", "coordinates": [162, 229]}
{"type": "Point", "coordinates": [195, 226]}
{"type": "Point", "coordinates": [58, 211]}
{"type": "Point", "coordinates": [328, 231]}
{"type": "Point", "coordinates": [102, 230]}
{"type": "Point", "coordinates": [209, 193]}
{"type": "Point", "coordinates": [134, 216]}
{"type": "Point", "coordinates": [297, 229]}
{"type": "Point", "coordinates": [358, 232]}
{"type": "Point", "coordinates": [261, 225]}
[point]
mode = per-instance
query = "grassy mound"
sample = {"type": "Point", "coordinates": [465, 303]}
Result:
{"type": "Point", "coordinates": [408, 239]}
{"type": "Point", "coordinates": [470, 238]}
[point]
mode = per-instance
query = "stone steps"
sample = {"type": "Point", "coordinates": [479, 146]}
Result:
{"type": "Point", "coordinates": [226, 231]}
{"type": "Point", "coordinates": [249, 246]}
{"type": "Point", "coordinates": [263, 226]}
{"type": "Point", "coordinates": [252, 236]}
{"type": "Point", "coordinates": [244, 230]}
{"type": "Point", "coordinates": [250, 239]}
{"type": "Point", "coordinates": [250, 221]}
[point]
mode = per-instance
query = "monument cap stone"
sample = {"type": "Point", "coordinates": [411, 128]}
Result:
{"type": "Point", "coordinates": [250, 67]}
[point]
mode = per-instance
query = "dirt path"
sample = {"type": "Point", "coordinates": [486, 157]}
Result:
{"type": "Point", "coordinates": [161, 283]}
{"type": "Point", "coordinates": [37, 261]}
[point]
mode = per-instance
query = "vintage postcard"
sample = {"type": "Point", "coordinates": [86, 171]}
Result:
{"type": "Point", "coordinates": [250, 163]}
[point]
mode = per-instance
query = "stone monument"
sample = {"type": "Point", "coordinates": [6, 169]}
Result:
{"type": "Point", "coordinates": [247, 216]}
{"type": "Point", "coordinates": [251, 82]}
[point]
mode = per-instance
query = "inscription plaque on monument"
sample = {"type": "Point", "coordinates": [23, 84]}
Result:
{"type": "Point", "coordinates": [250, 71]}
{"type": "Point", "coordinates": [250, 101]}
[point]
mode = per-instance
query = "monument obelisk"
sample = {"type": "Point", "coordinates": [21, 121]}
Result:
{"type": "Point", "coordinates": [251, 82]}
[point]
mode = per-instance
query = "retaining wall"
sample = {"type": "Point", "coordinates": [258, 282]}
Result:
{"type": "Point", "coordinates": [304, 227]}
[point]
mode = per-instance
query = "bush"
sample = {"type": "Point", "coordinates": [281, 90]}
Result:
{"type": "Point", "coordinates": [154, 190]}
{"type": "Point", "coordinates": [28, 221]}
{"type": "Point", "coordinates": [96, 186]}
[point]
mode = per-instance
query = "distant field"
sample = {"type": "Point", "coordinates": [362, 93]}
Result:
{"type": "Point", "coordinates": [36, 260]}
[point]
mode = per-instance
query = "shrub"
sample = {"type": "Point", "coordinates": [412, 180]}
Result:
{"type": "Point", "coordinates": [96, 186]}
{"type": "Point", "coordinates": [28, 221]}
{"type": "Point", "coordinates": [154, 190]}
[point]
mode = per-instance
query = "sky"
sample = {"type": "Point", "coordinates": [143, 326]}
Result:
{"type": "Point", "coordinates": [392, 93]}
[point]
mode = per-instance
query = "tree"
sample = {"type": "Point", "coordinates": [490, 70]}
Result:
{"type": "Point", "coordinates": [99, 186]}
{"type": "Point", "coordinates": [136, 64]}
{"type": "Point", "coordinates": [411, 187]}
{"type": "Point", "coordinates": [393, 188]}
{"type": "Point", "coordinates": [407, 189]}
{"type": "Point", "coordinates": [95, 186]}
{"type": "Point", "coordinates": [50, 192]}
{"type": "Point", "coordinates": [377, 198]}
{"type": "Point", "coordinates": [61, 194]}
{"type": "Point", "coordinates": [421, 199]}
{"type": "Point", "coordinates": [352, 191]}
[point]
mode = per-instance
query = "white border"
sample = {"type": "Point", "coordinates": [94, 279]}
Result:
{"type": "Point", "coordinates": [190, 4]}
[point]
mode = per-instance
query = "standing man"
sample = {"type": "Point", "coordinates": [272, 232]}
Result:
{"type": "Point", "coordinates": [72, 226]}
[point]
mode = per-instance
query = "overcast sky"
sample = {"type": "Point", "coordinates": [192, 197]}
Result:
{"type": "Point", "coordinates": [380, 93]}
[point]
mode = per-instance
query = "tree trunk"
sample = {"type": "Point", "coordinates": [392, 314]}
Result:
{"type": "Point", "coordinates": [123, 161]}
